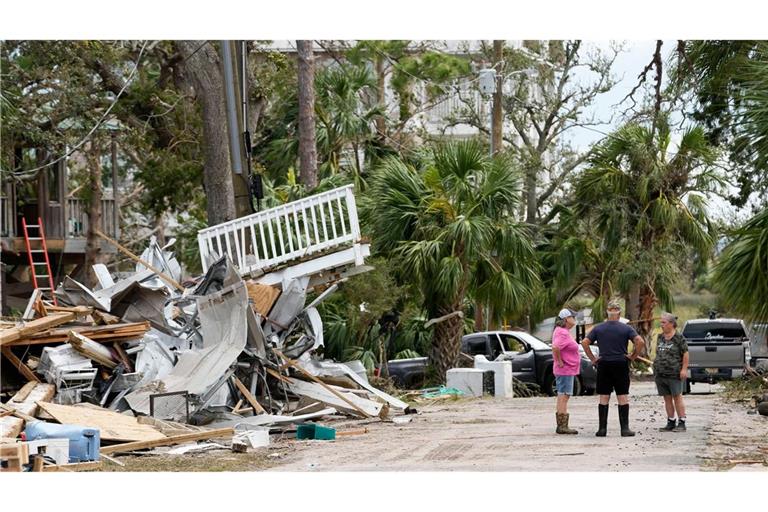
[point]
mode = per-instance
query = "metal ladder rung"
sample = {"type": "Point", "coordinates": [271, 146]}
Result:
{"type": "Point", "coordinates": [33, 225]}
{"type": "Point", "coordinates": [40, 263]}
{"type": "Point", "coordinates": [36, 250]}
{"type": "Point", "coordinates": [34, 238]}
{"type": "Point", "coordinates": [44, 289]}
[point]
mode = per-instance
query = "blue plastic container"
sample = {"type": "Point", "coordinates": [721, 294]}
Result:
{"type": "Point", "coordinates": [84, 442]}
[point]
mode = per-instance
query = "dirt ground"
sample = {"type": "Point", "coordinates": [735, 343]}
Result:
{"type": "Point", "coordinates": [511, 435]}
{"type": "Point", "coordinates": [518, 435]}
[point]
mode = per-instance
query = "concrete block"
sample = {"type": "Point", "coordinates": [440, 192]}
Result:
{"type": "Point", "coordinates": [502, 371]}
{"type": "Point", "coordinates": [472, 381]}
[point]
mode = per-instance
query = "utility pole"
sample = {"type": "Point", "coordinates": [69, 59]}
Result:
{"type": "Point", "coordinates": [235, 127]}
{"type": "Point", "coordinates": [497, 119]}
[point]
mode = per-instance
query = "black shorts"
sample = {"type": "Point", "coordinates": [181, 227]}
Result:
{"type": "Point", "coordinates": [612, 376]}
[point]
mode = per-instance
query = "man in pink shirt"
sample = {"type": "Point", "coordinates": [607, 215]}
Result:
{"type": "Point", "coordinates": [566, 365]}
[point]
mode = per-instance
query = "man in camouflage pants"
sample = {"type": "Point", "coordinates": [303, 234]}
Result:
{"type": "Point", "coordinates": [671, 369]}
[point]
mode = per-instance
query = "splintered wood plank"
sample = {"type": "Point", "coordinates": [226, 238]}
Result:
{"type": "Point", "coordinates": [197, 436]}
{"type": "Point", "coordinates": [103, 333]}
{"type": "Point", "coordinates": [19, 365]}
{"type": "Point", "coordinates": [263, 296]}
{"type": "Point", "coordinates": [113, 426]}
{"type": "Point", "coordinates": [23, 403]}
{"type": "Point", "coordinates": [80, 466]}
{"type": "Point", "coordinates": [35, 326]}
{"type": "Point", "coordinates": [24, 392]}
{"type": "Point", "coordinates": [248, 396]}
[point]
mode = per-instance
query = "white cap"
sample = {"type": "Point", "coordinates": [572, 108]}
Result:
{"type": "Point", "coordinates": [565, 313]}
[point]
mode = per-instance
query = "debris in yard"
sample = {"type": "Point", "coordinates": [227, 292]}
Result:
{"type": "Point", "coordinates": [440, 392]}
{"type": "Point", "coordinates": [234, 351]}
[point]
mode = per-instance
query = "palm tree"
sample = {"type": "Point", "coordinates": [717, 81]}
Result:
{"type": "Point", "coordinates": [731, 83]}
{"type": "Point", "coordinates": [741, 273]}
{"type": "Point", "coordinates": [647, 207]}
{"type": "Point", "coordinates": [345, 126]}
{"type": "Point", "coordinates": [448, 224]}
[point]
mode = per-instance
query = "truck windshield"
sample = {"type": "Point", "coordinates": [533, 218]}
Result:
{"type": "Point", "coordinates": [714, 331]}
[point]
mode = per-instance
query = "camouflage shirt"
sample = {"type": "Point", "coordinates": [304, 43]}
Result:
{"type": "Point", "coordinates": [669, 355]}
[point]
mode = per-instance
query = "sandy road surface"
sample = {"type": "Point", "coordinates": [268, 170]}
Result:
{"type": "Point", "coordinates": [518, 435]}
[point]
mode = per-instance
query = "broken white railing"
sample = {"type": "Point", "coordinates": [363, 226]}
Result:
{"type": "Point", "coordinates": [322, 223]}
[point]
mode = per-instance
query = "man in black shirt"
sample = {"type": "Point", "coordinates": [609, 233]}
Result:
{"type": "Point", "coordinates": [612, 338]}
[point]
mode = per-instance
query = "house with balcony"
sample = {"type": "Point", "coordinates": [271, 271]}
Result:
{"type": "Point", "coordinates": [48, 196]}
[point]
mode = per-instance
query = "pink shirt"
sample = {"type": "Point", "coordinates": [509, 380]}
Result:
{"type": "Point", "coordinates": [569, 352]}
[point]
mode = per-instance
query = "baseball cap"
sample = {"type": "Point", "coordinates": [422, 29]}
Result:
{"type": "Point", "coordinates": [614, 304]}
{"type": "Point", "coordinates": [565, 313]}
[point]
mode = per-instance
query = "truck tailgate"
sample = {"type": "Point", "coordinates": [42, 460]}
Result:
{"type": "Point", "coordinates": [711, 354]}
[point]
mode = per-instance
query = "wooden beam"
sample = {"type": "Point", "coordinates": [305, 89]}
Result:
{"type": "Point", "coordinates": [35, 326]}
{"type": "Point", "coordinates": [24, 392]}
{"type": "Point", "coordinates": [101, 333]}
{"type": "Point", "coordinates": [91, 349]}
{"type": "Point", "coordinates": [80, 466]}
{"type": "Point", "coordinates": [19, 365]}
{"type": "Point", "coordinates": [183, 438]}
{"type": "Point", "coordinates": [135, 258]}
{"type": "Point", "coordinates": [248, 396]}
{"type": "Point", "coordinates": [123, 357]}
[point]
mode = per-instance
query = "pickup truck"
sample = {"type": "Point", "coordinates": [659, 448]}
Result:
{"type": "Point", "coordinates": [718, 349]}
{"type": "Point", "coordinates": [531, 361]}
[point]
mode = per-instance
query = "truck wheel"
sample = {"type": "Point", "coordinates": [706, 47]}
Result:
{"type": "Point", "coordinates": [549, 384]}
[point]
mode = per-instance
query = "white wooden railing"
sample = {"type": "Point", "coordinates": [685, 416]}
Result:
{"type": "Point", "coordinates": [288, 232]}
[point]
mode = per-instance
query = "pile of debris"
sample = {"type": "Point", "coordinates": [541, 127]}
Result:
{"type": "Point", "coordinates": [145, 361]}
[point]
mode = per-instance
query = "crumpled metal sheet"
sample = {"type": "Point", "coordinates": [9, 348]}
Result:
{"type": "Point", "coordinates": [156, 360]}
{"type": "Point", "coordinates": [161, 259]}
{"type": "Point", "coordinates": [331, 369]}
{"type": "Point", "coordinates": [75, 293]}
{"type": "Point", "coordinates": [287, 307]}
{"type": "Point", "coordinates": [223, 326]}
{"type": "Point", "coordinates": [144, 304]}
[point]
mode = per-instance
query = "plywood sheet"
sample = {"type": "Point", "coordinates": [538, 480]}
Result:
{"type": "Point", "coordinates": [112, 426]}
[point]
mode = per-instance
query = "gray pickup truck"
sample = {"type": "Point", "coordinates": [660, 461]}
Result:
{"type": "Point", "coordinates": [719, 349]}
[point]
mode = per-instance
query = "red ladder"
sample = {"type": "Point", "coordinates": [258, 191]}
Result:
{"type": "Point", "coordinates": [33, 263]}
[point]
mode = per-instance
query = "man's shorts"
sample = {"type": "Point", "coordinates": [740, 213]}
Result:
{"type": "Point", "coordinates": [612, 376]}
{"type": "Point", "coordinates": [669, 386]}
{"type": "Point", "coordinates": [564, 384]}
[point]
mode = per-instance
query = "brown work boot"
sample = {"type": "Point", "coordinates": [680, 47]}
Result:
{"type": "Point", "coordinates": [562, 424]}
{"type": "Point", "coordinates": [568, 430]}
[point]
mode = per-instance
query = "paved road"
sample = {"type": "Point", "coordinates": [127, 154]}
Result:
{"type": "Point", "coordinates": [518, 435]}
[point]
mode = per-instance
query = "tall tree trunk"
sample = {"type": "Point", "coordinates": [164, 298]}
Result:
{"type": "Point", "coordinates": [531, 199]}
{"type": "Point", "coordinates": [381, 94]}
{"type": "Point", "coordinates": [648, 302]}
{"type": "Point", "coordinates": [202, 67]}
{"type": "Point", "coordinates": [446, 342]}
{"type": "Point", "coordinates": [94, 213]}
{"type": "Point", "coordinates": [307, 142]}
{"type": "Point", "coordinates": [497, 118]}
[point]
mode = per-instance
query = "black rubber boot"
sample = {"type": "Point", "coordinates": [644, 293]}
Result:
{"type": "Point", "coordinates": [671, 424]}
{"type": "Point", "coordinates": [624, 421]}
{"type": "Point", "coordinates": [602, 412]}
